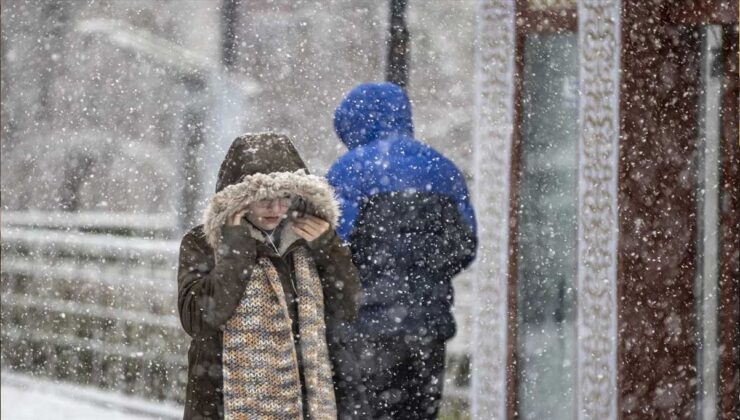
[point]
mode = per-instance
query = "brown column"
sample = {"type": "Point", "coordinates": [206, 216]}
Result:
{"type": "Point", "coordinates": [657, 253]}
{"type": "Point", "coordinates": [729, 274]}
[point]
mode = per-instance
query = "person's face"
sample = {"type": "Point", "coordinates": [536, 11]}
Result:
{"type": "Point", "coordinates": [267, 214]}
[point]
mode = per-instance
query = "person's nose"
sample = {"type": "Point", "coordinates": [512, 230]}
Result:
{"type": "Point", "coordinates": [275, 206]}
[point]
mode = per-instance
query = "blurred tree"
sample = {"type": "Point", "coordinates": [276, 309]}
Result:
{"type": "Point", "coordinates": [229, 21]}
{"type": "Point", "coordinates": [54, 17]}
{"type": "Point", "coordinates": [76, 172]}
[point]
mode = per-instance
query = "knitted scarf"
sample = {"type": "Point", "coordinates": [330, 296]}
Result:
{"type": "Point", "coordinates": [260, 366]}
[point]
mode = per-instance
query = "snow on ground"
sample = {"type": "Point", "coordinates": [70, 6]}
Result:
{"type": "Point", "coordinates": [23, 397]}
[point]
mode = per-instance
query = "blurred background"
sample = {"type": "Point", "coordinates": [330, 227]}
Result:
{"type": "Point", "coordinates": [112, 105]}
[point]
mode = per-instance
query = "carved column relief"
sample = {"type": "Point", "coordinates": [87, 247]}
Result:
{"type": "Point", "coordinates": [492, 166]}
{"type": "Point", "coordinates": [599, 61]}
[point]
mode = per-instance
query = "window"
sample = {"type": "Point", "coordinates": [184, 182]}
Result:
{"type": "Point", "coordinates": [546, 237]}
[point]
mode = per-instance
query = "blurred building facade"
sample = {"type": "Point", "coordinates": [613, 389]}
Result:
{"type": "Point", "coordinates": [137, 95]}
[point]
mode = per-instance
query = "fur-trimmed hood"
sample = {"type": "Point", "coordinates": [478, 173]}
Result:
{"type": "Point", "coordinates": [265, 166]}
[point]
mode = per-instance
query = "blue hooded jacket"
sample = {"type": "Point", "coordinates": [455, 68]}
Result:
{"type": "Point", "coordinates": [374, 122]}
{"type": "Point", "coordinates": [406, 213]}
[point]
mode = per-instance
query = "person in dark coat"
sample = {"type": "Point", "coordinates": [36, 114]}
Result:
{"type": "Point", "coordinates": [262, 287]}
{"type": "Point", "coordinates": [407, 216]}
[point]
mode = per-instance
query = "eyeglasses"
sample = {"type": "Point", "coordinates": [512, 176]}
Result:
{"type": "Point", "coordinates": [282, 202]}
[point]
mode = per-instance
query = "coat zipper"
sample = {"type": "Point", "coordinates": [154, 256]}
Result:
{"type": "Point", "coordinates": [290, 271]}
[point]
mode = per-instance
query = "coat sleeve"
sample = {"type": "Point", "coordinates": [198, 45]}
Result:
{"type": "Point", "coordinates": [211, 286]}
{"type": "Point", "coordinates": [339, 277]}
{"type": "Point", "coordinates": [459, 245]}
{"type": "Point", "coordinates": [461, 194]}
{"type": "Point", "coordinates": [462, 229]}
{"type": "Point", "coordinates": [344, 178]}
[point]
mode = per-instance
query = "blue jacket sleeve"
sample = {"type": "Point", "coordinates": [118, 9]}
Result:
{"type": "Point", "coordinates": [465, 206]}
{"type": "Point", "coordinates": [349, 196]}
{"type": "Point", "coordinates": [458, 191]}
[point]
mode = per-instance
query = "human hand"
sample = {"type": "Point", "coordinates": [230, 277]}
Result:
{"type": "Point", "coordinates": [236, 218]}
{"type": "Point", "coordinates": [309, 227]}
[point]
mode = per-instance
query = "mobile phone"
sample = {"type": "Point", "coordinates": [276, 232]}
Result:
{"type": "Point", "coordinates": [297, 208]}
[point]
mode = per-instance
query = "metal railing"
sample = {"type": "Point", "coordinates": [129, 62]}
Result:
{"type": "Point", "coordinates": [92, 307]}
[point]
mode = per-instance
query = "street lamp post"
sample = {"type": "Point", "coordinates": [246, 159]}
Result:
{"type": "Point", "coordinates": [397, 66]}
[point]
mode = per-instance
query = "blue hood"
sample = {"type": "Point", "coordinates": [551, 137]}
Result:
{"type": "Point", "coordinates": [373, 111]}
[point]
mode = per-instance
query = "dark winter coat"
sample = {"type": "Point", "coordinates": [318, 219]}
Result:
{"type": "Point", "coordinates": [406, 212]}
{"type": "Point", "coordinates": [211, 282]}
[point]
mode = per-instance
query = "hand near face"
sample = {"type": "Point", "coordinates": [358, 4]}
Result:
{"type": "Point", "coordinates": [236, 218]}
{"type": "Point", "coordinates": [309, 227]}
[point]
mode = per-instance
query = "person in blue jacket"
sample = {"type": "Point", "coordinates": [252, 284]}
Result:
{"type": "Point", "coordinates": [407, 216]}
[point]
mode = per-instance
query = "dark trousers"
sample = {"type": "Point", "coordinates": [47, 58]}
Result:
{"type": "Point", "coordinates": [402, 380]}
{"type": "Point", "coordinates": [351, 400]}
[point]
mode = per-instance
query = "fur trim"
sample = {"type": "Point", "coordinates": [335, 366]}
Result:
{"type": "Point", "coordinates": [318, 194]}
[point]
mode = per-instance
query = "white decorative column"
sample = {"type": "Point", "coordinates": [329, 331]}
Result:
{"type": "Point", "coordinates": [599, 61]}
{"type": "Point", "coordinates": [494, 110]}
